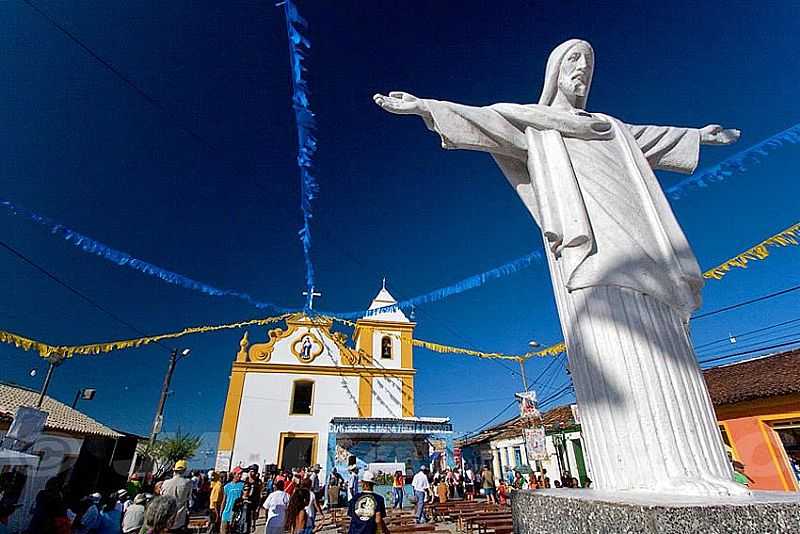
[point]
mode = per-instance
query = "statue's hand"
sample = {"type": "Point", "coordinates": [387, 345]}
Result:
{"type": "Point", "coordinates": [714, 134]}
{"type": "Point", "coordinates": [401, 103]}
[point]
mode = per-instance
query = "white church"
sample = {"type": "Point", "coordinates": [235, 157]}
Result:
{"type": "Point", "coordinates": [305, 397]}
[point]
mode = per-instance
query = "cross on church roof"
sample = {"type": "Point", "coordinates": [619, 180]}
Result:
{"type": "Point", "coordinates": [310, 297]}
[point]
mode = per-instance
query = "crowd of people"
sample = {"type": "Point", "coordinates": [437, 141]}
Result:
{"type": "Point", "coordinates": [290, 500]}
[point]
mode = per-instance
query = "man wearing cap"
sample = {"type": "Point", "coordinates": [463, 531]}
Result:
{"type": "Point", "coordinates": [179, 488]}
{"type": "Point", "coordinates": [367, 510]}
{"type": "Point", "coordinates": [421, 486]}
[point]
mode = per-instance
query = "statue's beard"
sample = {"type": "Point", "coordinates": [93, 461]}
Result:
{"type": "Point", "coordinates": [573, 87]}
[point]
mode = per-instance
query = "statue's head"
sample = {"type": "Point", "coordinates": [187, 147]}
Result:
{"type": "Point", "coordinates": [569, 72]}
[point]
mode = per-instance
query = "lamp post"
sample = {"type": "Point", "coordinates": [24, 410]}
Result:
{"type": "Point", "coordinates": [86, 394]}
{"type": "Point", "coordinates": [173, 360]}
{"type": "Point", "coordinates": [54, 359]}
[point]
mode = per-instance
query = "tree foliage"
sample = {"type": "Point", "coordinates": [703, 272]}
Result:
{"type": "Point", "coordinates": [165, 452]}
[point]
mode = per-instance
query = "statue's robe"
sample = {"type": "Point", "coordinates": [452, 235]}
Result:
{"type": "Point", "coordinates": [625, 280]}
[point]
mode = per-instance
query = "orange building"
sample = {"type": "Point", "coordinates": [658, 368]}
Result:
{"type": "Point", "coordinates": [758, 408]}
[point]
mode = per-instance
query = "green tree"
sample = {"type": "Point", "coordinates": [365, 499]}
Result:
{"type": "Point", "coordinates": [165, 452]}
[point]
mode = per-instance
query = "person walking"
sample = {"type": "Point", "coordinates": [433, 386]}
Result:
{"type": "Point", "coordinates": [252, 487]}
{"type": "Point", "coordinates": [232, 491]}
{"type": "Point", "coordinates": [488, 485]}
{"type": "Point", "coordinates": [296, 516]}
{"type": "Point", "coordinates": [313, 507]}
{"type": "Point", "coordinates": [215, 501]}
{"type": "Point", "coordinates": [367, 510]}
{"type": "Point", "coordinates": [276, 504]}
{"type": "Point", "coordinates": [421, 487]}
{"type": "Point", "coordinates": [398, 483]}
{"type": "Point", "coordinates": [179, 488]}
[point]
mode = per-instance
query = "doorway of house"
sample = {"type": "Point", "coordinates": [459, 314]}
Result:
{"type": "Point", "coordinates": [296, 451]}
{"type": "Point", "coordinates": [789, 434]}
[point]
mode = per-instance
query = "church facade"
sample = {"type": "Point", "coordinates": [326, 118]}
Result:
{"type": "Point", "coordinates": [304, 396]}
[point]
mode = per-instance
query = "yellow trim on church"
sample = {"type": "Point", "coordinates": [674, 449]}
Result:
{"type": "Point", "coordinates": [365, 396]}
{"type": "Point", "coordinates": [341, 370]}
{"type": "Point", "coordinates": [230, 419]}
{"type": "Point", "coordinates": [407, 388]}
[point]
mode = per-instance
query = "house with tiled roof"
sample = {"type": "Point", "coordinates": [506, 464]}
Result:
{"type": "Point", "coordinates": [88, 455]}
{"type": "Point", "coordinates": [503, 447]}
{"type": "Point", "coordinates": [757, 403]}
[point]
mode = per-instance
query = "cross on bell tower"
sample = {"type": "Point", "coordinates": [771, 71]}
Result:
{"type": "Point", "coordinates": [310, 297]}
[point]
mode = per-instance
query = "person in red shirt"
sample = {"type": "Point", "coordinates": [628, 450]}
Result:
{"type": "Point", "coordinates": [290, 484]}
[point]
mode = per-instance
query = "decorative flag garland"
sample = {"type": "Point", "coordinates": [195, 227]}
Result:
{"type": "Point", "coordinates": [69, 351]}
{"type": "Point", "coordinates": [788, 237]}
{"type": "Point", "coordinates": [306, 142]}
{"type": "Point", "coordinates": [735, 163]}
{"type": "Point", "coordinates": [739, 162]}
{"type": "Point", "coordinates": [123, 259]}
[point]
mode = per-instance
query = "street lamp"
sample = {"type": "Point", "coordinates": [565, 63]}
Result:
{"type": "Point", "coordinates": [532, 344]}
{"type": "Point", "coordinates": [86, 394]}
{"type": "Point", "coordinates": [173, 360]}
{"type": "Point", "coordinates": [54, 359]}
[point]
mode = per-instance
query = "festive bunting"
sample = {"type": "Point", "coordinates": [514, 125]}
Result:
{"type": "Point", "coordinates": [788, 237]}
{"type": "Point", "coordinates": [306, 142]}
{"type": "Point", "coordinates": [735, 163]}
{"type": "Point", "coordinates": [552, 350]}
{"type": "Point", "coordinates": [459, 287]}
{"type": "Point", "coordinates": [69, 351]}
{"type": "Point", "coordinates": [123, 259]}
{"type": "Point", "coordinates": [739, 162]}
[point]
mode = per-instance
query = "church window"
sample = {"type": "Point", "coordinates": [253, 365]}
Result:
{"type": "Point", "coordinates": [386, 348]}
{"type": "Point", "coordinates": [302, 395]}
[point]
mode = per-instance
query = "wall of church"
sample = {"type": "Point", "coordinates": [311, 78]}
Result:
{"type": "Point", "coordinates": [264, 413]}
{"type": "Point", "coordinates": [387, 397]}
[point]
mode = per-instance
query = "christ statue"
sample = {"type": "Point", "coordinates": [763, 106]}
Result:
{"type": "Point", "coordinates": [624, 276]}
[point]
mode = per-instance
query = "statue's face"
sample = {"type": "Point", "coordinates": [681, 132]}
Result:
{"type": "Point", "coordinates": [575, 71]}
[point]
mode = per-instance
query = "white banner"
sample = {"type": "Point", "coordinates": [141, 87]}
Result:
{"type": "Point", "coordinates": [535, 443]}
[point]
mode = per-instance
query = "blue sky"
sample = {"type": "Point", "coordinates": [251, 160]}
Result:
{"type": "Point", "coordinates": [82, 147]}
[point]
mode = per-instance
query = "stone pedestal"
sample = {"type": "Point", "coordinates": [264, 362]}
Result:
{"type": "Point", "coordinates": [574, 511]}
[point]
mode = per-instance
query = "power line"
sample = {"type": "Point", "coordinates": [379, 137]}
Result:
{"type": "Point", "coordinates": [754, 344]}
{"type": "Point", "coordinates": [119, 74]}
{"type": "Point", "coordinates": [751, 351]}
{"type": "Point", "coordinates": [745, 334]}
{"type": "Point", "coordinates": [747, 302]}
{"type": "Point", "coordinates": [493, 419]}
{"type": "Point", "coordinates": [74, 291]}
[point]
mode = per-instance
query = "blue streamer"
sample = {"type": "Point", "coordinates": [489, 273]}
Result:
{"type": "Point", "coordinates": [739, 162]}
{"type": "Point", "coordinates": [466, 284]}
{"type": "Point", "coordinates": [735, 163]}
{"type": "Point", "coordinates": [306, 142]}
{"type": "Point", "coordinates": [123, 259]}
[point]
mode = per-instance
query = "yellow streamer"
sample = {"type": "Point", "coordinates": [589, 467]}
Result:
{"type": "Point", "coordinates": [788, 237]}
{"type": "Point", "coordinates": [785, 238]}
{"type": "Point", "coordinates": [68, 351]}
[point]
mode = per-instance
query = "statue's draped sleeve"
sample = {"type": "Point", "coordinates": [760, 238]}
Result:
{"type": "Point", "coordinates": [475, 128]}
{"type": "Point", "coordinates": [668, 148]}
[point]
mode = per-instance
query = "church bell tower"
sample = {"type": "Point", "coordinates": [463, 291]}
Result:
{"type": "Point", "coordinates": [383, 339]}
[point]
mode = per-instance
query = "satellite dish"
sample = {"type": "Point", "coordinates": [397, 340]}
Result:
{"type": "Point", "coordinates": [33, 373]}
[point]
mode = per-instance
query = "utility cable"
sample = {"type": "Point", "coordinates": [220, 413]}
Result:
{"type": "Point", "coordinates": [746, 302]}
{"type": "Point", "coordinates": [119, 74]}
{"type": "Point", "coordinates": [75, 291]}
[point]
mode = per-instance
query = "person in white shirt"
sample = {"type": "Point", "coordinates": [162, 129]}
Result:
{"type": "Point", "coordinates": [276, 509]}
{"type": "Point", "coordinates": [421, 486]}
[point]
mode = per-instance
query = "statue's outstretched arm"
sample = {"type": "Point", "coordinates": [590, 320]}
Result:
{"type": "Point", "coordinates": [677, 149]}
{"type": "Point", "coordinates": [460, 126]}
